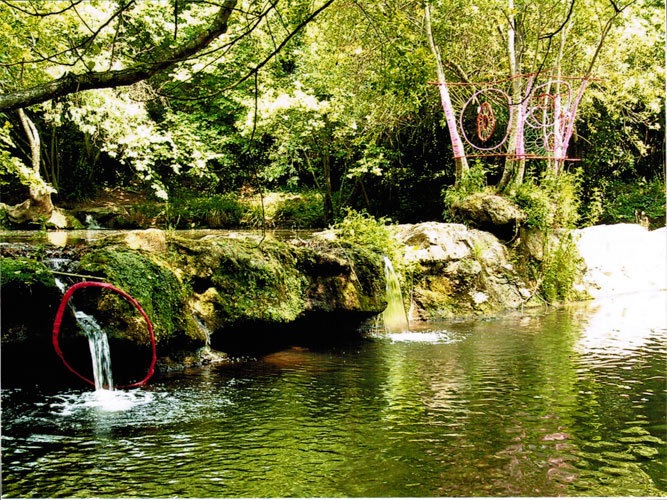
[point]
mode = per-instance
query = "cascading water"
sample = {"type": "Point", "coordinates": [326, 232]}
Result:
{"type": "Point", "coordinates": [99, 350]}
{"type": "Point", "coordinates": [97, 337]}
{"type": "Point", "coordinates": [395, 319]}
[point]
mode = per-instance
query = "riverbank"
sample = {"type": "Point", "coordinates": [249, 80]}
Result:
{"type": "Point", "coordinates": [212, 296]}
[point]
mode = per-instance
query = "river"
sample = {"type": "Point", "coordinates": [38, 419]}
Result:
{"type": "Point", "coordinates": [567, 401]}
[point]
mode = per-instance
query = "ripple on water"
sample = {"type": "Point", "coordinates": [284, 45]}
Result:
{"type": "Point", "coordinates": [515, 407]}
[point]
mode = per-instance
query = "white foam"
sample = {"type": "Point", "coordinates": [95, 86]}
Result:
{"type": "Point", "coordinates": [429, 337]}
{"type": "Point", "coordinates": [104, 400]}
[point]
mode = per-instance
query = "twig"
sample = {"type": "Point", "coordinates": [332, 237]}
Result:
{"type": "Point", "coordinates": [84, 276]}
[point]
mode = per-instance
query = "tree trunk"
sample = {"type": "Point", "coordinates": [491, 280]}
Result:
{"type": "Point", "coordinates": [39, 205]}
{"type": "Point", "coordinates": [328, 199]}
{"type": "Point", "coordinates": [515, 162]}
{"type": "Point", "coordinates": [460, 160]}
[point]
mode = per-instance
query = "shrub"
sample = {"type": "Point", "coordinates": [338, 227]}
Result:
{"type": "Point", "coordinates": [474, 181]}
{"type": "Point", "coordinates": [551, 204]}
{"type": "Point", "coordinates": [626, 201]}
{"type": "Point", "coordinates": [305, 211]}
{"type": "Point", "coordinates": [362, 229]}
{"type": "Point", "coordinates": [561, 269]}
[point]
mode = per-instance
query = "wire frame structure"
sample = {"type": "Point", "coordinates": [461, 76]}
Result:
{"type": "Point", "coordinates": [484, 120]}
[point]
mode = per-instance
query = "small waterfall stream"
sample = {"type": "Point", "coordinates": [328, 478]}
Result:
{"type": "Point", "coordinates": [395, 318]}
{"type": "Point", "coordinates": [98, 341]}
{"type": "Point", "coordinates": [99, 350]}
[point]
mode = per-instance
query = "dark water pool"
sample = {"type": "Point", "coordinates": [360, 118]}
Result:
{"type": "Point", "coordinates": [561, 402]}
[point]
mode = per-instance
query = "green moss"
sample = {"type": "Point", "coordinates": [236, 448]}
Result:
{"type": "Point", "coordinates": [26, 273]}
{"type": "Point", "coordinates": [434, 295]}
{"type": "Point", "coordinates": [151, 283]}
{"type": "Point", "coordinates": [237, 280]}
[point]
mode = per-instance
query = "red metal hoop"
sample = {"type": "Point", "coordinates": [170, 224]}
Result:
{"type": "Point", "coordinates": [59, 318]}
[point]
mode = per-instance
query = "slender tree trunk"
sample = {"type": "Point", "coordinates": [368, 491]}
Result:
{"type": "Point", "coordinates": [461, 162]}
{"type": "Point", "coordinates": [326, 170]}
{"type": "Point", "coordinates": [328, 199]}
{"type": "Point", "coordinates": [39, 205]}
{"type": "Point", "coordinates": [515, 164]}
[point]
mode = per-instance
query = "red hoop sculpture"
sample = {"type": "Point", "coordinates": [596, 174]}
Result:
{"type": "Point", "coordinates": [59, 319]}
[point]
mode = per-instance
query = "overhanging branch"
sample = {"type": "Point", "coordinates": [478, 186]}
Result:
{"type": "Point", "coordinates": [71, 83]}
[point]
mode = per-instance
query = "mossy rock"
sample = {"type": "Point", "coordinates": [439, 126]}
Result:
{"type": "Point", "coordinates": [490, 212]}
{"type": "Point", "coordinates": [149, 281]}
{"type": "Point", "coordinates": [30, 299]}
{"type": "Point", "coordinates": [28, 304]}
{"type": "Point", "coordinates": [237, 282]}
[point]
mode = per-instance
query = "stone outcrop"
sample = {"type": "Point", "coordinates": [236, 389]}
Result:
{"type": "Point", "coordinates": [462, 271]}
{"type": "Point", "coordinates": [217, 293]}
{"type": "Point", "coordinates": [490, 212]}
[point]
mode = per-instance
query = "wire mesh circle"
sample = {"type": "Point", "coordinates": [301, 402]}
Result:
{"type": "Point", "coordinates": [487, 118]}
{"type": "Point", "coordinates": [545, 106]}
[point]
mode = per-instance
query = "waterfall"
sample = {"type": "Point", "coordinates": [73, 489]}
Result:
{"type": "Point", "coordinates": [99, 350]}
{"type": "Point", "coordinates": [395, 319]}
{"type": "Point", "coordinates": [97, 337]}
{"type": "Point", "coordinates": [91, 223]}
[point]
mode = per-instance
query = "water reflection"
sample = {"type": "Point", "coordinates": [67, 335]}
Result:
{"type": "Point", "coordinates": [561, 402]}
{"type": "Point", "coordinates": [64, 238]}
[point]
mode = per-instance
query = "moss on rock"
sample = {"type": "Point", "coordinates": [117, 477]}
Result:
{"type": "Point", "coordinates": [239, 282]}
{"type": "Point", "coordinates": [25, 274]}
{"type": "Point", "coordinates": [148, 280]}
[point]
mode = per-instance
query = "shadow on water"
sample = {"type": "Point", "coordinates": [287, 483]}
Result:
{"type": "Point", "coordinates": [546, 403]}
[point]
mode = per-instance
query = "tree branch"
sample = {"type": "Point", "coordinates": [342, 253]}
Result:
{"type": "Point", "coordinates": [256, 69]}
{"type": "Point", "coordinates": [567, 18]}
{"type": "Point", "coordinates": [71, 83]}
{"type": "Point", "coordinates": [40, 14]}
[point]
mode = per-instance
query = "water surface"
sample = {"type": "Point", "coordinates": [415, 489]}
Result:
{"type": "Point", "coordinates": [541, 403]}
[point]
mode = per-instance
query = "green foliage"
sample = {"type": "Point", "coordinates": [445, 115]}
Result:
{"type": "Point", "coordinates": [364, 230]}
{"type": "Point", "coordinates": [593, 208]}
{"type": "Point", "coordinates": [551, 204]}
{"type": "Point", "coordinates": [473, 181]}
{"type": "Point", "coordinates": [214, 211]}
{"type": "Point", "coordinates": [346, 102]}
{"type": "Point", "coordinates": [141, 215]}
{"type": "Point", "coordinates": [627, 202]}
{"type": "Point", "coordinates": [561, 270]}
{"type": "Point", "coordinates": [305, 211]}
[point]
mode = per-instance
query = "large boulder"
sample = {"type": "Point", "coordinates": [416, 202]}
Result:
{"type": "Point", "coordinates": [463, 271]}
{"type": "Point", "coordinates": [239, 285]}
{"type": "Point", "coordinates": [490, 212]}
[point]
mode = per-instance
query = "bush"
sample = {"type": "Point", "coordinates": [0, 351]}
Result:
{"type": "Point", "coordinates": [474, 181]}
{"type": "Point", "coordinates": [625, 202]}
{"type": "Point", "coordinates": [362, 229]}
{"type": "Point", "coordinates": [561, 270]}
{"type": "Point", "coordinates": [306, 211]}
{"type": "Point", "coordinates": [551, 204]}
